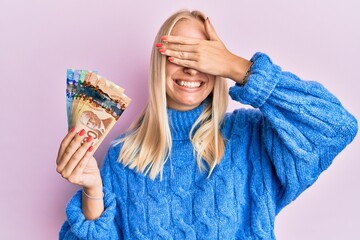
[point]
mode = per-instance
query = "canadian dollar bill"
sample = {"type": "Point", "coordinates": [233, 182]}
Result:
{"type": "Point", "coordinates": [96, 104]}
{"type": "Point", "coordinates": [69, 92]}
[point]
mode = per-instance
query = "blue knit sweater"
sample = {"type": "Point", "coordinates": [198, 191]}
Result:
{"type": "Point", "coordinates": [273, 153]}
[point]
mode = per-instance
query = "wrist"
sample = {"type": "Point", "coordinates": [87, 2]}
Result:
{"type": "Point", "coordinates": [95, 191]}
{"type": "Point", "coordinates": [98, 198]}
{"type": "Point", "coordinates": [239, 69]}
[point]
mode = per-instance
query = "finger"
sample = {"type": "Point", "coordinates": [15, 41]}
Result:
{"type": "Point", "coordinates": [180, 39]}
{"type": "Point", "coordinates": [70, 150]}
{"type": "Point", "coordinates": [210, 31]}
{"type": "Point", "coordinates": [181, 47]}
{"type": "Point", "coordinates": [65, 142]}
{"type": "Point", "coordinates": [76, 158]}
{"type": "Point", "coordinates": [80, 167]}
{"type": "Point", "coordinates": [183, 62]}
{"type": "Point", "coordinates": [181, 55]}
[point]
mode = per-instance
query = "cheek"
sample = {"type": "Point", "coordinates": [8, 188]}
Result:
{"type": "Point", "coordinates": [170, 69]}
{"type": "Point", "coordinates": [168, 86]}
{"type": "Point", "coordinates": [211, 83]}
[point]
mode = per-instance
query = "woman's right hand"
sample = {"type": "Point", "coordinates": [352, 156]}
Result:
{"type": "Point", "coordinates": [75, 161]}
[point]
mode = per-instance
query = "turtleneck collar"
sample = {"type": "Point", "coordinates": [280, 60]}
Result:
{"type": "Point", "coordinates": [181, 121]}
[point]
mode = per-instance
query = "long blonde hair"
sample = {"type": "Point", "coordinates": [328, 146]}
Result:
{"type": "Point", "coordinates": [147, 143]}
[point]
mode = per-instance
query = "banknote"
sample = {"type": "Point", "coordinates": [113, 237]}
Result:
{"type": "Point", "coordinates": [95, 120]}
{"type": "Point", "coordinates": [79, 94]}
{"type": "Point", "coordinates": [103, 92]}
{"type": "Point", "coordinates": [69, 92]}
{"type": "Point", "coordinates": [96, 104]}
{"type": "Point", "coordinates": [109, 90]}
{"type": "Point", "coordinates": [74, 80]}
{"type": "Point", "coordinates": [74, 87]}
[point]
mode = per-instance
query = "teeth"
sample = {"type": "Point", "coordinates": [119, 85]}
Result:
{"type": "Point", "coordinates": [189, 84]}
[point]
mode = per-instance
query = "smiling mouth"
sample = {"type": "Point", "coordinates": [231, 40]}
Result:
{"type": "Point", "coordinates": [187, 84]}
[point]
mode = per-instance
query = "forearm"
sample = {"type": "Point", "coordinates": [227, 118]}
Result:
{"type": "Point", "coordinates": [93, 204]}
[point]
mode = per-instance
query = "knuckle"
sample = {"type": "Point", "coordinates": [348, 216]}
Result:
{"type": "Point", "coordinates": [182, 41]}
{"type": "Point", "coordinates": [58, 169]}
{"type": "Point", "coordinates": [62, 145]}
{"type": "Point", "coordinates": [64, 174]}
{"type": "Point", "coordinates": [67, 152]}
{"type": "Point", "coordinates": [196, 56]}
{"type": "Point", "coordinates": [76, 156]}
{"type": "Point", "coordinates": [78, 139]}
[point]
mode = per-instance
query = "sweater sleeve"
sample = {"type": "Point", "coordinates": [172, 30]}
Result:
{"type": "Point", "coordinates": [302, 127]}
{"type": "Point", "coordinates": [104, 227]}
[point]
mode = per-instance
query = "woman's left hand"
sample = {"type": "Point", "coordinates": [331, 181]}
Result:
{"type": "Point", "coordinates": [207, 56]}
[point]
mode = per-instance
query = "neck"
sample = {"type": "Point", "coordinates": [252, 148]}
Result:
{"type": "Point", "coordinates": [181, 122]}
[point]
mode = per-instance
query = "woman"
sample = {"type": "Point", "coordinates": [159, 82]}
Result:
{"type": "Point", "coordinates": [187, 170]}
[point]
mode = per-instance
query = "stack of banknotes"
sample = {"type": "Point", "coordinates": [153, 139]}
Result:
{"type": "Point", "coordinates": [93, 103]}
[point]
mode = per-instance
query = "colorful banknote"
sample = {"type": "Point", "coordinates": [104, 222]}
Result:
{"type": "Point", "coordinates": [93, 103]}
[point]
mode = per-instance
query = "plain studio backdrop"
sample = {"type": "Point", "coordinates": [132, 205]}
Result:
{"type": "Point", "coordinates": [39, 40]}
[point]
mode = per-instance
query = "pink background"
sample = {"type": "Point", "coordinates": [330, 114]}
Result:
{"type": "Point", "coordinates": [40, 39]}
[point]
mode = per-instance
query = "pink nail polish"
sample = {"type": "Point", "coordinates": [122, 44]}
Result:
{"type": "Point", "coordinates": [158, 45]}
{"type": "Point", "coordinates": [90, 148]}
{"type": "Point", "coordinates": [171, 59]}
{"type": "Point", "coordinates": [162, 50]}
{"type": "Point", "coordinates": [89, 139]}
{"type": "Point", "coordinates": [72, 130]}
{"type": "Point", "coordinates": [82, 132]}
{"type": "Point", "coordinates": [164, 38]}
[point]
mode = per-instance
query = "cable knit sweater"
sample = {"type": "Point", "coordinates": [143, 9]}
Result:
{"type": "Point", "coordinates": [273, 153]}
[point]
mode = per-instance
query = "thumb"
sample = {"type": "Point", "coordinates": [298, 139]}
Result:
{"type": "Point", "coordinates": [210, 31]}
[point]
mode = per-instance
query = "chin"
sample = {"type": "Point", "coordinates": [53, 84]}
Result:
{"type": "Point", "coordinates": [185, 105]}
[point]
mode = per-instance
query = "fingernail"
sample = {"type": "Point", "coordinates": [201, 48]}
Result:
{"type": "Point", "coordinates": [72, 130]}
{"type": "Point", "coordinates": [158, 45]}
{"type": "Point", "coordinates": [208, 19]}
{"type": "Point", "coordinates": [171, 59]}
{"type": "Point", "coordinates": [82, 132]}
{"type": "Point", "coordinates": [162, 50]}
{"type": "Point", "coordinates": [89, 139]}
{"type": "Point", "coordinates": [164, 38]}
{"type": "Point", "coordinates": [90, 148]}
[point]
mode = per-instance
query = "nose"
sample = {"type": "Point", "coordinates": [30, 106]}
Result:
{"type": "Point", "coordinates": [191, 71]}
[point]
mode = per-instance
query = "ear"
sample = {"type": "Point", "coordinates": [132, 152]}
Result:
{"type": "Point", "coordinates": [210, 31]}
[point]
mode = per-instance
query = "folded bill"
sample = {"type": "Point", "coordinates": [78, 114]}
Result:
{"type": "Point", "coordinates": [93, 103]}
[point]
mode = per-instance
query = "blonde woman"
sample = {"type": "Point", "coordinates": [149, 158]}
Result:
{"type": "Point", "coordinates": [187, 170]}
